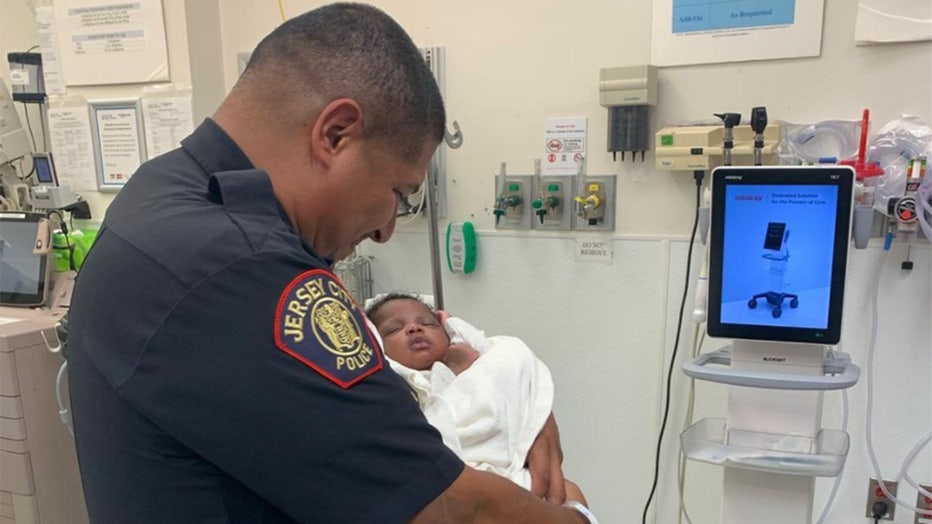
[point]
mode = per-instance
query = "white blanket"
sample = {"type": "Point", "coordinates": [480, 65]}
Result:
{"type": "Point", "coordinates": [490, 414]}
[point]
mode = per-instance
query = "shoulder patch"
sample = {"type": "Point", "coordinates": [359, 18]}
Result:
{"type": "Point", "coordinates": [318, 322]}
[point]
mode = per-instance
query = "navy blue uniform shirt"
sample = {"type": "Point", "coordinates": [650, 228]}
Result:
{"type": "Point", "coordinates": [220, 373]}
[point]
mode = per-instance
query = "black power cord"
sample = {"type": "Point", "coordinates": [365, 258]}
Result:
{"type": "Point", "coordinates": [878, 510]}
{"type": "Point", "coordinates": [32, 136]}
{"type": "Point", "coordinates": [698, 175]}
{"type": "Point", "coordinates": [64, 230]}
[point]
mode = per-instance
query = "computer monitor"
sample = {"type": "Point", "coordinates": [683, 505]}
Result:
{"type": "Point", "coordinates": [45, 169]}
{"type": "Point", "coordinates": [24, 276]}
{"type": "Point", "coordinates": [778, 250]}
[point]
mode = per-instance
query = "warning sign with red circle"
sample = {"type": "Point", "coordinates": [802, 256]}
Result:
{"type": "Point", "coordinates": [564, 145]}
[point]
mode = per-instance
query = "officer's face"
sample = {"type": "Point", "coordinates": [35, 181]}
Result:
{"type": "Point", "coordinates": [366, 195]}
{"type": "Point", "coordinates": [411, 333]}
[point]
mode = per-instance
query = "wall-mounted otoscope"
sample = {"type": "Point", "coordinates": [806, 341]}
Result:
{"type": "Point", "coordinates": [758, 124]}
{"type": "Point", "coordinates": [730, 120]}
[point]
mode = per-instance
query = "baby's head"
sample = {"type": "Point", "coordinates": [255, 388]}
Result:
{"type": "Point", "coordinates": [410, 330]}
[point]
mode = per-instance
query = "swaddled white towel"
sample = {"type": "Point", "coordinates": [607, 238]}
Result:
{"type": "Point", "coordinates": [489, 414]}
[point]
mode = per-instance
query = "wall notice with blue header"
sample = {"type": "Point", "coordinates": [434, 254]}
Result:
{"type": "Point", "coordinates": [704, 15]}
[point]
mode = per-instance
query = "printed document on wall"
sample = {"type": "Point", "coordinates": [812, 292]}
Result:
{"type": "Point", "coordinates": [117, 131]}
{"type": "Point", "coordinates": [885, 21]}
{"type": "Point", "coordinates": [710, 31]}
{"type": "Point", "coordinates": [70, 129]}
{"type": "Point", "coordinates": [111, 42]}
{"type": "Point", "coordinates": [168, 118]}
{"type": "Point", "coordinates": [564, 146]}
{"type": "Point", "coordinates": [48, 44]}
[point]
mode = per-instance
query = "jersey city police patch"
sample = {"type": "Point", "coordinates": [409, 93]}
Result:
{"type": "Point", "coordinates": [318, 323]}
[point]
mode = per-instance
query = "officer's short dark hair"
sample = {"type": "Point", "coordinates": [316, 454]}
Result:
{"type": "Point", "coordinates": [356, 51]}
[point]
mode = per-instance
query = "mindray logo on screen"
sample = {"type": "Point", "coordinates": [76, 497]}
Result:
{"type": "Point", "coordinates": [749, 198]}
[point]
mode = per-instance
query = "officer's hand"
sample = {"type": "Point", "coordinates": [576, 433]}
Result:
{"type": "Point", "coordinates": [442, 315]}
{"type": "Point", "coordinates": [545, 462]}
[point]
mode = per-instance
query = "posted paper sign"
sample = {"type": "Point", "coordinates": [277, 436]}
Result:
{"type": "Point", "coordinates": [592, 250]}
{"type": "Point", "coordinates": [70, 129]}
{"type": "Point", "coordinates": [712, 31]}
{"type": "Point", "coordinates": [48, 44]}
{"type": "Point", "coordinates": [168, 119]}
{"type": "Point", "coordinates": [111, 42]}
{"type": "Point", "coordinates": [564, 146]}
{"type": "Point", "coordinates": [119, 142]}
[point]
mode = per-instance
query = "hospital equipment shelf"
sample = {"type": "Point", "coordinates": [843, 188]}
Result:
{"type": "Point", "coordinates": [838, 373]}
{"type": "Point", "coordinates": [711, 441]}
{"type": "Point", "coordinates": [775, 440]}
{"type": "Point", "coordinates": [39, 481]}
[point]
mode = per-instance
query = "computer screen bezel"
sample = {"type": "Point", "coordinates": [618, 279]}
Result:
{"type": "Point", "coordinates": [724, 177]}
{"type": "Point", "coordinates": [28, 299]}
{"type": "Point", "coordinates": [39, 158]}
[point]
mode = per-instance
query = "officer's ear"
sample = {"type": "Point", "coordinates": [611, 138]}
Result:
{"type": "Point", "coordinates": [336, 127]}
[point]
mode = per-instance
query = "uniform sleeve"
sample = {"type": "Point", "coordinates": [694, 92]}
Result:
{"type": "Point", "coordinates": [268, 371]}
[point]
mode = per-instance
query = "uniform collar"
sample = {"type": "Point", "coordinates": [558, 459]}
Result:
{"type": "Point", "coordinates": [214, 150]}
{"type": "Point", "coordinates": [235, 182]}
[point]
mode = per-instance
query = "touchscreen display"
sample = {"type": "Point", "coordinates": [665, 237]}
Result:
{"type": "Point", "coordinates": [778, 251]}
{"type": "Point", "coordinates": [778, 240]}
{"type": "Point", "coordinates": [22, 273]}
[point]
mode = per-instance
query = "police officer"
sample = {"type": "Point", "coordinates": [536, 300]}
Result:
{"type": "Point", "coordinates": [219, 371]}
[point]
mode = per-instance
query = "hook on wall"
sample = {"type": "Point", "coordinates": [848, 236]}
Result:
{"type": "Point", "coordinates": [455, 139]}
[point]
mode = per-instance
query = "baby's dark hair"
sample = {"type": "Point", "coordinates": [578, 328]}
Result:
{"type": "Point", "coordinates": [385, 299]}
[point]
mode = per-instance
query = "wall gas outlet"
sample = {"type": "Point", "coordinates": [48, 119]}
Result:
{"type": "Point", "coordinates": [513, 202]}
{"type": "Point", "coordinates": [923, 502]}
{"type": "Point", "coordinates": [594, 203]}
{"type": "Point", "coordinates": [874, 494]}
{"type": "Point", "coordinates": [552, 205]}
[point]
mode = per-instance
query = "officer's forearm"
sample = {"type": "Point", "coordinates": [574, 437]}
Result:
{"type": "Point", "coordinates": [482, 497]}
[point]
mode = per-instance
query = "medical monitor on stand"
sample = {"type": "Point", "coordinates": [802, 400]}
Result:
{"type": "Point", "coordinates": [778, 251]}
{"type": "Point", "coordinates": [777, 255]}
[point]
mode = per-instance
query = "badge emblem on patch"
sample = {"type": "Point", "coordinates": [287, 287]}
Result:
{"type": "Point", "coordinates": [318, 323]}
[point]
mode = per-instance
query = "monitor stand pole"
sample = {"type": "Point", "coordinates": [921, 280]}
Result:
{"type": "Point", "coordinates": [763, 497]}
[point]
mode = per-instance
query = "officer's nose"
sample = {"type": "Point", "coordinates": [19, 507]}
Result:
{"type": "Point", "coordinates": [382, 234]}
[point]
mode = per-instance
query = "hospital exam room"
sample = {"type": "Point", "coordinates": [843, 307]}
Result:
{"type": "Point", "coordinates": [710, 220]}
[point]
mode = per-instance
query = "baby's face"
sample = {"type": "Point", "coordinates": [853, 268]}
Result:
{"type": "Point", "coordinates": [411, 333]}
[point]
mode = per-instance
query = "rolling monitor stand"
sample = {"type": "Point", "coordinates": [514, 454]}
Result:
{"type": "Point", "coordinates": [772, 444]}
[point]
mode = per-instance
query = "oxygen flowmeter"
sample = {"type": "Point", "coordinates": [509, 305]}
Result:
{"type": "Point", "coordinates": [512, 201]}
{"type": "Point", "coordinates": [548, 203]}
{"type": "Point", "coordinates": [595, 203]}
{"type": "Point", "coordinates": [589, 206]}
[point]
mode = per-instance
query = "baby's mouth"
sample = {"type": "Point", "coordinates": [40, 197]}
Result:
{"type": "Point", "coordinates": [419, 343]}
